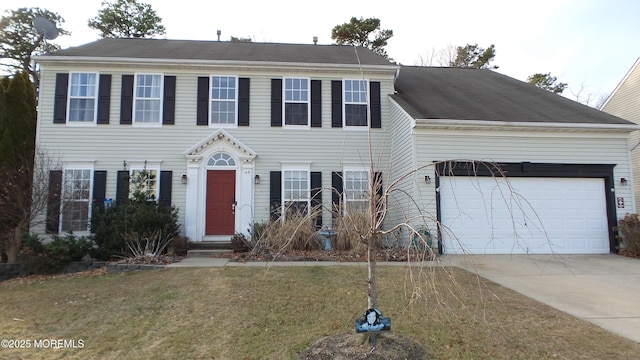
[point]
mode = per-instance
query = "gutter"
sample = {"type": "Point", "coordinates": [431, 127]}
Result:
{"type": "Point", "coordinates": [444, 123]}
{"type": "Point", "coordinates": [203, 62]}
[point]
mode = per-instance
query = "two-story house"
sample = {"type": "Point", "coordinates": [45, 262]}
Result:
{"type": "Point", "coordinates": [234, 132]}
{"type": "Point", "coordinates": [231, 131]}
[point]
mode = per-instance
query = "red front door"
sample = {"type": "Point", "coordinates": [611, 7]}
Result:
{"type": "Point", "coordinates": [221, 194]}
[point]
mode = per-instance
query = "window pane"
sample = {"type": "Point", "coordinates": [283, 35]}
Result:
{"type": "Point", "coordinates": [355, 115]}
{"type": "Point", "coordinates": [147, 111]}
{"type": "Point", "coordinates": [296, 114]}
{"type": "Point", "coordinates": [81, 109]}
{"type": "Point", "coordinates": [293, 208]}
{"type": "Point", "coordinates": [148, 86]}
{"type": "Point", "coordinates": [223, 112]}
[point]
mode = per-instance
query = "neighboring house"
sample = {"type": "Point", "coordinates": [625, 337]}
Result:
{"type": "Point", "coordinates": [234, 132]}
{"type": "Point", "coordinates": [624, 102]}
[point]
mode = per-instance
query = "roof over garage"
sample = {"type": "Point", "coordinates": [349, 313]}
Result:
{"type": "Point", "coordinates": [484, 95]}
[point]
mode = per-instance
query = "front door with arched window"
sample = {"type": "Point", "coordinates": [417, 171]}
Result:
{"type": "Point", "coordinates": [221, 195]}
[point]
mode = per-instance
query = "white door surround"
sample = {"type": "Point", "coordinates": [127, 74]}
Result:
{"type": "Point", "coordinates": [198, 162]}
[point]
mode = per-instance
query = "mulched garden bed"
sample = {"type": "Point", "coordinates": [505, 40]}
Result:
{"type": "Point", "coordinates": [389, 254]}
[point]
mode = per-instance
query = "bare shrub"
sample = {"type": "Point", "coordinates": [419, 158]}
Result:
{"type": "Point", "coordinates": [240, 243]}
{"type": "Point", "coordinates": [350, 228]}
{"type": "Point", "coordinates": [147, 248]}
{"type": "Point", "coordinates": [629, 229]}
{"type": "Point", "coordinates": [297, 231]}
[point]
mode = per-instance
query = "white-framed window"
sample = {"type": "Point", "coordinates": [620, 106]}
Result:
{"type": "Point", "coordinates": [296, 102]}
{"type": "Point", "coordinates": [76, 199]}
{"type": "Point", "coordinates": [221, 160]}
{"type": "Point", "coordinates": [355, 103]}
{"type": "Point", "coordinates": [296, 189]}
{"type": "Point", "coordinates": [224, 101]}
{"type": "Point", "coordinates": [357, 189]}
{"type": "Point", "coordinates": [149, 182]}
{"type": "Point", "coordinates": [147, 104]}
{"type": "Point", "coordinates": [83, 98]}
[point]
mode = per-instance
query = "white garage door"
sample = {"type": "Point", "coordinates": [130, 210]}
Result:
{"type": "Point", "coordinates": [485, 215]}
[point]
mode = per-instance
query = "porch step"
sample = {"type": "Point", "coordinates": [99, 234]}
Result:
{"type": "Point", "coordinates": [210, 245]}
{"type": "Point", "coordinates": [209, 248]}
{"type": "Point", "coordinates": [203, 253]}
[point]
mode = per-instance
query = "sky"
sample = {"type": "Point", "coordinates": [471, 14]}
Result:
{"type": "Point", "coordinates": [589, 44]}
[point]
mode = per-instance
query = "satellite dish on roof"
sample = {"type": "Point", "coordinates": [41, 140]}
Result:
{"type": "Point", "coordinates": [45, 27]}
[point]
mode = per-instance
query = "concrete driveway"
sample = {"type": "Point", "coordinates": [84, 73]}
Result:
{"type": "Point", "coordinates": [602, 289]}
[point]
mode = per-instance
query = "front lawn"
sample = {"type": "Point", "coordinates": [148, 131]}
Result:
{"type": "Point", "coordinates": [275, 312]}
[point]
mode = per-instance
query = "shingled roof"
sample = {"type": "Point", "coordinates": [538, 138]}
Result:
{"type": "Point", "coordinates": [485, 95]}
{"type": "Point", "coordinates": [224, 51]}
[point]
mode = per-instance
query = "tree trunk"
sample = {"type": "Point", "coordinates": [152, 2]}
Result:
{"type": "Point", "coordinates": [373, 284]}
{"type": "Point", "coordinates": [13, 245]}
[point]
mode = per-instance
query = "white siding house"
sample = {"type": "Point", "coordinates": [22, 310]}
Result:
{"type": "Point", "coordinates": [233, 131]}
{"type": "Point", "coordinates": [223, 125]}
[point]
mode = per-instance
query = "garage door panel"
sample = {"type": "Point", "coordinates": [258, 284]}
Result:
{"type": "Point", "coordinates": [524, 215]}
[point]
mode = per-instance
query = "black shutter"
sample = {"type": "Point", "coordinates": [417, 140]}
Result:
{"type": "Point", "coordinates": [169, 101]}
{"type": "Point", "coordinates": [275, 194]}
{"type": "Point", "coordinates": [104, 98]}
{"type": "Point", "coordinates": [126, 100]}
{"type": "Point", "coordinates": [336, 103]}
{"type": "Point", "coordinates": [276, 102]}
{"type": "Point", "coordinates": [374, 102]}
{"type": "Point", "coordinates": [122, 187]}
{"type": "Point", "coordinates": [53, 201]}
{"type": "Point", "coordinates": [60, 99]}
{"type": "Point", "coordinates": [336, 193]}
{"type": "Point", "coordinates": [243, 101]}
{"type": "Point", "coordinates": [202, 115]}
{"type": "Point", "coordinates": [316, 197]}
{"type": "Point", "coordinates": [99, 190]}
{"type": "Point", "coordinates": [166, 178]}
{"type": "Point", "coordinates": [316, 103]}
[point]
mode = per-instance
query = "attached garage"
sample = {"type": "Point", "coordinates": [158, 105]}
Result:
{"type": "Point", "coordinates": [504, 167]}
{"type": "Point", "coordinates": [526, 214]}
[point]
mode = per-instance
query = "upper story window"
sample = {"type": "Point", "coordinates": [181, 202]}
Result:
{"type": "Point", "coordinates": [83, 98]}
{"type": "Point", "coordinates": [224, 98]}
{"type": "Point", "coordinates": [148, 99]}
{"type": "Point", "coordinates": [355, 103]}
{"type": "Point", "coordinates": [296, 101]}
{"type": "Point", "coordinates": [76, 196]}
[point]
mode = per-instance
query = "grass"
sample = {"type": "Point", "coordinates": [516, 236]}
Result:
{"type": "Point", "coordinates": [273, 313]}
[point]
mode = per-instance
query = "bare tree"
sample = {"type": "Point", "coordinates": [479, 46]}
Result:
{"type": "Point", "coordinates": [23, 199]}
{"type": "Point", "coordinates": [440, 57]}
{"type": "Point", "coordinates": [593, 99]}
